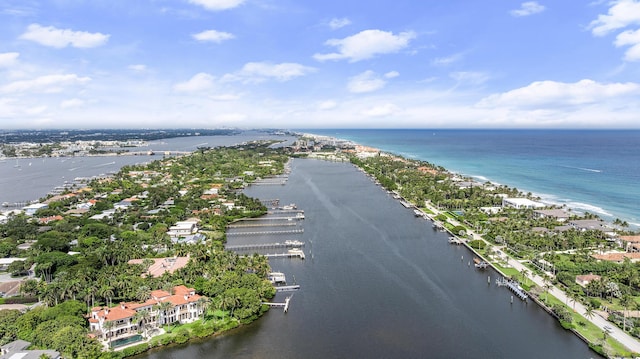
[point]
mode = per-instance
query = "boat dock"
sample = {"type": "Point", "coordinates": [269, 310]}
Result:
{"type": "Point", "coordinates": [252, 225]}
{"type": "Point", "coordinates": [480, 264]}
{"type": "Point", "coordinates": [297, 216]}
{"type": "Point", "coordinates": [286, 244]}
{"type": "Point", "coordinates": [455, 240]}
{"type": "Point", "coordinates": [290, 254]}
{"type": "Point", "coordinates": [287, 288]}
{"type": "Point", "coordinates": [293, 231]}
{"type": "Point", "coordinates": [284, 305]}
{"type": "Point", "coordinates": [513, 286]}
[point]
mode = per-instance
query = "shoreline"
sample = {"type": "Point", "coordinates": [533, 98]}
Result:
{"type": "Point", "coordinates": [630, 343]}
{"type": "Point", "coordinates": [575, 205]}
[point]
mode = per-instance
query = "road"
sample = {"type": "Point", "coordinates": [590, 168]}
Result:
{"type": "Point", "coordinates": [625, 339]}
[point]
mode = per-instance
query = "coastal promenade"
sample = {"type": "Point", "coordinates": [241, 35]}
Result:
{"type": "Point", "coordinates": [633, 344]}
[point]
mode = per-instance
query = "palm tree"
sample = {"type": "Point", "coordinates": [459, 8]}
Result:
{"type": "Point", "coordinates": [163, 307]}
{"type": "Point", "coordinates": [109, 325]}
{"type": "Point", "coordinates": [625, 301]}
{"type": "Point", "coordinates": [589, 312]}
{"type": "Point", "coordinates": [203, 303]}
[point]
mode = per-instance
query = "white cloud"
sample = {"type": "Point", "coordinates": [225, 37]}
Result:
{"type": "Point", "coordinates": [336, 23]}
{"type": "Point", "coordinates": [469, 77]}
{"type": "Point", "coordinates": [60, 38]}
{"type": "Point", "coordinates": [367, 81]}
{"type": "Point", "coordinates": [226, 97]}
{"type": "Point", "coordinates": [630, 38]}
{"type": "Point", "coordinates": [213, 36]}
{"type": "Point", "coordinates": [217, 5]}
{"type": "Point", "coordinates": [391, 74]}
{"type": "Point", "coordinates": [327, 105]}
{"type": "Point", "coordinates": [366, 44]}
{"type": "Point", "coordinates": [137, 68]}
{"type": "Point", "coordinates": [445, 61]}
{"type": "Point", "coordinates": [528, 8]}
{"type": "Point", "coordinates": [199, 82]}
{"type": "Point", "coordinates": [552, 94]}
{"type": "Point", "coordinates": [45, 84]}
{"type": "Point", "coordinates": [260, 71]}
{"type": "Point", "coordinates": [8, 59]}
{"type": "Point", "coordinates": [381, 110]}
{"type": "Point", "coordinates": [74, 102]}
{"type": "Point", "coordinates": [622, 14]}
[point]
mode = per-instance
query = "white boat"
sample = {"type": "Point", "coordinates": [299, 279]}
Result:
{"type": "Point", "coordinates": [277, 278]}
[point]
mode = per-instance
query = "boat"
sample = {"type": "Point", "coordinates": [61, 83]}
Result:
{"type": "Point", "coordinates": [417, 212]}
{"type": "Point", "coordinates": [480, 264]}
{"type": "Point", "coordinates": [277, 278]}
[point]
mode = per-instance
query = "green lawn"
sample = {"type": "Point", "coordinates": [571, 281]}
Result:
{"type": "Point", "coordinates": [589, 330]}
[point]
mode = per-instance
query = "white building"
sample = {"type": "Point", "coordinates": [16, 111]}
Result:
{"type": "Point", "coordinates": [521, 203]}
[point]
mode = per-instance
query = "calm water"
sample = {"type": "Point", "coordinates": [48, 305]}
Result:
{"type": "Point", "coordinates": [592, 171]}
{"type": "Point", "coordinates": [380, 283]}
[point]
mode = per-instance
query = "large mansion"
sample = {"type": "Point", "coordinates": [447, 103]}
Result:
{"type": "Point", "coordinates": [184, 306]}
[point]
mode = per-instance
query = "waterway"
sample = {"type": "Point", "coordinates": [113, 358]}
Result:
{"type": "Point", "coordinates": [377, 282]}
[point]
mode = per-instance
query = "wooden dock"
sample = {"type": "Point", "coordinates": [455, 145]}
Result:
{"type": "Point", "coordinates": [259, 233]}
{"type": "Point", "coordinates": [284, 305]}
{"type": "Point", "coordinates": [514, 287]}
{"type": "Point", "coordinates": [286, 244]}
{"type": "Point", "coordinates": [290, 254]}
{"type": "Point", "coordinates": [253, 225]}
{"type": "Point", "coordinates": [287, 288]}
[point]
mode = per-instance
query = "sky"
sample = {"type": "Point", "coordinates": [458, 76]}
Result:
{"type": "Point", "coordinates": [295, 64]}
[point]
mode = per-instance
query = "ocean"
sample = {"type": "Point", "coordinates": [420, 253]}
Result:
{"type": "Point", "coordinates": [595, 171]}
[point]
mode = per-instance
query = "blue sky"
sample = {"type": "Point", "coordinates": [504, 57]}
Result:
{"type": "Point", "coordinates": [319, 64]}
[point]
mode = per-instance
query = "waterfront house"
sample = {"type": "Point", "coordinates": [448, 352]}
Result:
{"type": "Point", "coordinates": [184, 307]}
{"type": "Point", "coordinates": [558, 214]}
{"type": "Point", "coordinates": [31, 209]}
{"type": "Point", "coordinates": [521, 203]}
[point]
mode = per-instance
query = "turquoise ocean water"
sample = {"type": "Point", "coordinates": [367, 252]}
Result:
{"type": "Point", "coordinates": [596, 171]}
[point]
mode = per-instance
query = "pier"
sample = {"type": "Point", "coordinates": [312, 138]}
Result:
{"type": "Point", "coordinates": [297, 216]}
{"type": "Point", "coordinates": [251, 225]}
{"type": "Point", "coordinates": [293, 231]}
{"type": "Point", "coordinates": [286, 244]}
{"type": "Point", "coordinates": [513, 286]}
{"type": "Point", "coordinates": [284, 305]}
{"type": "Point", "coordinates": [290, 254]}
{"type": "Point", "coordinates": [287, 288]}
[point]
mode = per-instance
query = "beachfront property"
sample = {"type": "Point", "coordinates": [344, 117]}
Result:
{"type": "Point", "coordinates": [521, 203]}
{"type": "Point", "coordinates": [591, 224]}
{"type": "Point", "coordinates": [558, 214]}
{"type": "Point", "coordinates": [17, 349]}
{"type": "Point", "coordinates": [631, 243]}
{"type": "Point", "coordinates": [184, 306]}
